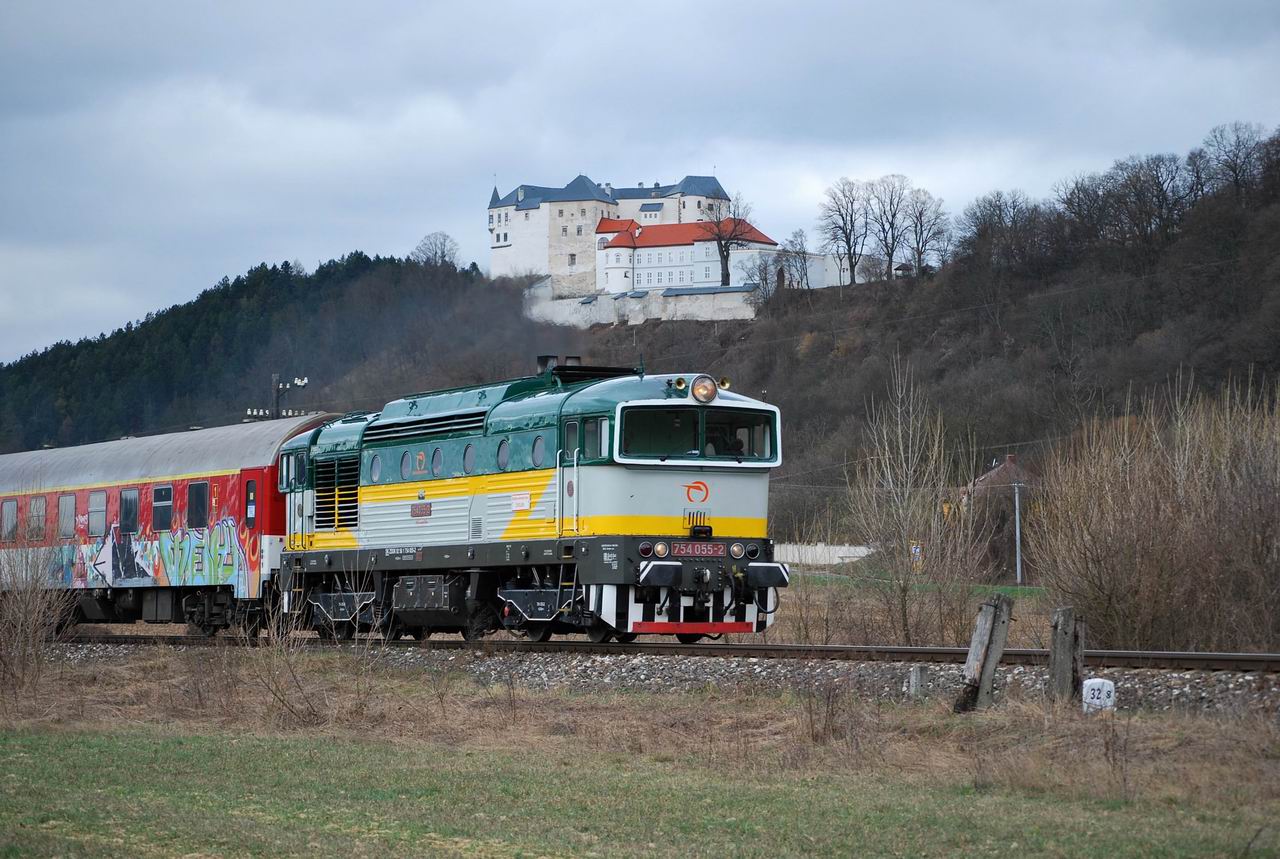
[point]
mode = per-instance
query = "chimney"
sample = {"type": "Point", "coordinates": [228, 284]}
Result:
{"type": "Point", "coordinates": [573, 360]}
{"type": "Point", "coordinates": [545, 363]}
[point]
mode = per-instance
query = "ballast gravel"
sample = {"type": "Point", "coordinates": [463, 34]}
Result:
{"type": "Point", "coordinates": [1136, 689]}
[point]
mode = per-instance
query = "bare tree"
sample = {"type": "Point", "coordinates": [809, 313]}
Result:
{"type": "Point", "coordinates": [928, 548]}
{"type": "Point", "coordinates": [436, 249]}
{"type": "Point", "coordinates": [760, 269]}
{"type": "Point", "coordinates": [1235, 151]}
{"type": "Point", "coordinates": [726, 222]}
{"type": "Point", "coordinates": [927, 224]}
{"type": "Point", "coordinates": [843, 225]}
{"type": "Point", "coordinates": [887, 199]}
{"type": "Point", "coordinates": [794, 258]}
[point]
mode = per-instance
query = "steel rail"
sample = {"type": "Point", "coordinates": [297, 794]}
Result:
{"type": "Point", "coordinates": [1167, 660]}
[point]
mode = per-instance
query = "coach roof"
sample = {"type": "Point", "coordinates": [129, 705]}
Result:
{"type": "Point", "coordinates": [149, 458]}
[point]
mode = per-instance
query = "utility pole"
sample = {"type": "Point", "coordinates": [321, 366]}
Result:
{"type": "Point", "coordinates": [279, 389]}
{"type": "Point", "coordinates": [1017, 531]}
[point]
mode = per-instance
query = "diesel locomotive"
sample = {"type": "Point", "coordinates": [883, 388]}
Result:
{"type": "Point", "coordinates": [596, 500]}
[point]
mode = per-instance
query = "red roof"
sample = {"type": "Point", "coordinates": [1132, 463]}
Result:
{"type": "Point", "coordinates": [615, 225]}
{"type": "Point", "coordinates": [662, 235]}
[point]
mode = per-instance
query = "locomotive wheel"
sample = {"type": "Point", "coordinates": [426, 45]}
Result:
{"type": "Point", "coordinates": [204, 630]}
{"type": "Point", "coordinates": [688, 637]}
{"type": "Point", "coordinates": [538, 632]}
{"type": "Point", "coordinates": [599, 633]}
{"type": "Point", "coordinates": [479, 624]}
{"type": "Point", "coordinates": [625, 637]}
{"type": "Point", "coordinates": [419, 633]}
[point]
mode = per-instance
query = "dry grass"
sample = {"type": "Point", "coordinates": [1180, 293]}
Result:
{"type": "Point", "coordinates": [1022, 745]}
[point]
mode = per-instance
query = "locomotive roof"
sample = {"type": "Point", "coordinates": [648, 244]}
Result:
{"type": "Point", "coordinates": [205, 451]}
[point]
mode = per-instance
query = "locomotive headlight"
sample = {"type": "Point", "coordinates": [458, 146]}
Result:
{"type": "Point", "coordinates": [753, 551]}
{"type": "Point", "coordinates": [736, 550]}
{"type": "Point", "coordinates": [660, 549]}
{"type": "Point", "coordinates": [646, 549]}
{"type": "Point", "coordinates": [704, 389]}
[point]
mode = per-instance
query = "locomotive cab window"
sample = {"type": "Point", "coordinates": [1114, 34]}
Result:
{"type": "Point", "coordinates": [727, 435]}
{"type": "Point", "coordinates": [250, 504]}
{"type": "Point", "coordinates": [660, 433]}
{"type": "Point", "coordinates": [593, 445]}
{"type": "Point", "coordinates": [9, 520]}
{"type": "Point", "coordinates": [571, 441]}
{"type": "Point", "coordinates": [128, 511]}
{"type": "Point", "coordinates": [738, 434]}
{"type": "Point", "coordinates": [198, 505]}
{"type": "Point", "coordinates": [66, 516]}
{"type": "Point", "coordinates": [97, 514]}
{"type": "Point", "coordinates": [161, 508]}
{"type": "Point", "coordinates": [36, 515]}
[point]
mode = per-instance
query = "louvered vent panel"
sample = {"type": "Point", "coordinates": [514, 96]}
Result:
{"type": "Point", "coordinates": [434, 425]}
{"type": "Point", "coordinates": [477, 528]}
{"type": "Point", "coordinates": [337, 493]}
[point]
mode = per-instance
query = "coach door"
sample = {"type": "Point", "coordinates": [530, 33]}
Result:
{"type": "Point", "coordinates": [567, 467]}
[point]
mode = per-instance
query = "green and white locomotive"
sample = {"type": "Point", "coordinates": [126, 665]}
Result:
{"type": "Point", "coordinates": [595, 500]}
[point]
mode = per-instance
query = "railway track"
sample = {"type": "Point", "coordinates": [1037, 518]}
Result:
{"type": "Point", "coordinates": [1169, 660]}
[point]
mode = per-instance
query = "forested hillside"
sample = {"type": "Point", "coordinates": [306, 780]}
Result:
{"type": "Point", "coordinates": [1045, 313]}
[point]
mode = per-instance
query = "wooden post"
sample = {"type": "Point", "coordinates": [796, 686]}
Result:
{"type": "Point", "coordinates": [989, 635]}
{"type": "Point", "coordinates": [1066, 655]}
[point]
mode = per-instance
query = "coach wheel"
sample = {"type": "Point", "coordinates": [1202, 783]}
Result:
{"type": "Point", "coordinates": [538, 632]}
{"type": "Point", "coordinates": [599, 633]}
{"type": "Point", "coordinates": [688, 637]}
{"type": "Point", "coordinates": [625, 637]}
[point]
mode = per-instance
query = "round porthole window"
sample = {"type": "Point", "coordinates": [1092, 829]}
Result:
{"type": "Point", "coordinates": [504, 454]}
{"type": "Point", "coordinates": [406, 465]}
{"type": "Point", "coordinates": [437, 462]}
{"type": "Point", "coordinates": [469, 458]}
{"type": "Point", "coordinates": [375, 469]}
{"type": "Point", "coordinates": [539, 452]}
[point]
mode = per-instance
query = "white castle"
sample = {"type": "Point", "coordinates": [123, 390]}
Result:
{"type": "Point", "coordinates": [606, 254]}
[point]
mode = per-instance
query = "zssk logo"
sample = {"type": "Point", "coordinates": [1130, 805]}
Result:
{"type": "Point", "coordinates": [697, 492]}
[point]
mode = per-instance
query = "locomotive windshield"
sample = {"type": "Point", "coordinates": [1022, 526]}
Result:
{"type": "Point", "coordinates": [686, 432]}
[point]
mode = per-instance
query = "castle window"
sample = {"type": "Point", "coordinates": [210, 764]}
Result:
{"type": "Point", "coordinates": [573, 259]}
{"type": "Point", "coordinates": [649, 258]}
{"type": "Point", "coordinates": [659, 278]}
{"type": "Point", "coordinates": [671, 277]}
{"type": "Point", "coordinates": [706, 272]}
{"type": "Point", "coordinates": [648, 277]}
{"type": "Point", "coordinates": [682, 275]}
{"type": "Point", "coordinates": [559, 213]}
{"type": "Point", "coordinates": [584, 212]}
{"type": "Point", "coordinates": [526, 216]}
{"type": "Point", "coordinates": [579, 229]}
{"type": "Point", "coordinates": [617, 258]}
{"type": "Point", "coordinates": [491, 219]}
{"type": "Point", "coordinates": [564, 231]}
{"type": "Point", "coordinates": [506, 217]}
{"type": "Point", "coordinates": [699, 204]}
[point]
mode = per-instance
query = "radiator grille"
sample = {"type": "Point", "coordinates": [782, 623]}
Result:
{"type": "Point", "coordinates": [477, 528]}
{"type": "Point", "coordinates": [432, 425]}
{"type": "Point", "coordinates": [337, 493]}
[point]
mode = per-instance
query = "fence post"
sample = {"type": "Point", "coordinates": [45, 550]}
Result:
{"type": "Point", "coordinates": [1066, 655]}
{"type": "Point", "coordinates": [989, 635]}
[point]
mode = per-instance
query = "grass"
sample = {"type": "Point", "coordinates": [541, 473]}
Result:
{"type": "Point", "coordinates": [155, 791]}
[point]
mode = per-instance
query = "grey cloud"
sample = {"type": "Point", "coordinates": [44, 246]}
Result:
{"type": "Point", "coordinates": [146, 149]}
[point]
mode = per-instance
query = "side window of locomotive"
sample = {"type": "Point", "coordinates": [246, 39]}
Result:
{"type": "Point", "coordinates": [66, 516]}
{"type": "Point", "coordinates": [591, 438]}
{"type": "Point", "coordinates": [570, 440]}
{"type": "Point", "coordinates": [250, 504]}
{"type": "Point", "coordinates": [36, 516]}
{"type": "Point", "coordinates": [469, 458]}
{"type": "Point", "coordinates": [539, 452]}
{"type": "Point", "coordinates": [128, 511]}
{"type": "Point", "coordinates": [161, 508]}
{"type": "Point", "coordinates": [9, 520]}
{"type": "Point", "coordinates": [504, 454]}
{"type": "Point", "coordinates": [97, 514]}
{"type": "Point", "coordinates": [284, 474]}
{"type": "Point", "coordinates": [198, 505]}
{"type": "Point", "coordinates": [437, 462]}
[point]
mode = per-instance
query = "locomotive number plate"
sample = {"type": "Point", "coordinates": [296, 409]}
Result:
{"type": "Point", "coordinates": [699, 550]}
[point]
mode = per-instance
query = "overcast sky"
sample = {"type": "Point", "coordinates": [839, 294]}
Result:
{"type": "Point", "coordinates": [147, 149]}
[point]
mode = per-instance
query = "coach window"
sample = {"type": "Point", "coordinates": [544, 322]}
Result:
{"type": "Point", "coordinates": [539, 452]}
{"type": "Point", "coordinates": [36, 515]}
{"type": "Point", "coordinates": [250, 504]}
{"type": "Point", "coordinates": [128, 511]}
{"type": "Point", "coordinates": [66, 516]}
{"type": "Point", "coordinates": [9, 520]}
{"type": "Point", "coordinates": [469, 458]}
{"type": "Point", "coordinates": [504, 454]}
{"type": "Point", "coordinates": [161, 508]}
{"type": "Point", "coordinates": [437, 462]}
{"type": "Point", "coordinates": [198, 505]}
{"type": "Point", "coordinates": [97, 514]}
